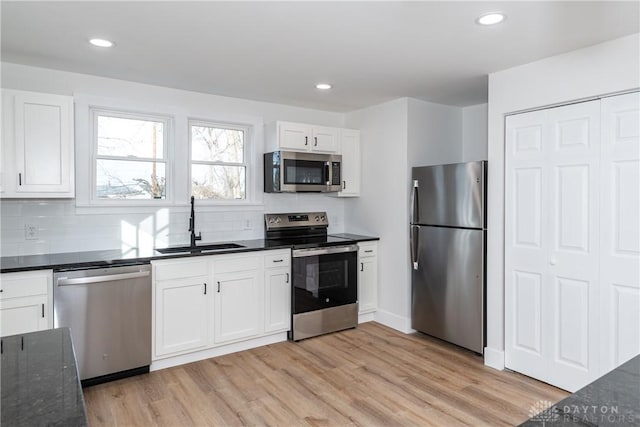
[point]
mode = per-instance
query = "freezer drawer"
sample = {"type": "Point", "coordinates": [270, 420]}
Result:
{"type": "Point", "coordinates": [449, 195]}
{"type": "Point", "coordinates": [448, 285]}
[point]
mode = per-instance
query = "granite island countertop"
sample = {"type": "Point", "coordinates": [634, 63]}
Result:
{"type": "Point", "coordinates": [611, 400]}
{"type": "Point", "coordinates": [132, 256]}
{"type": "Point", "coordinates": [40, 382]}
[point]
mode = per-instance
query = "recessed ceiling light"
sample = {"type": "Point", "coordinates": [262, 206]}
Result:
{"type": "Point", "coordinates": [101, 42]}
{"type": "Point", "coordinates": [491, 18]}
{"type": "Point", "coordinates": [323, 86]}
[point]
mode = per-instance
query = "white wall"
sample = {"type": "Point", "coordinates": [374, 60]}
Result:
{"type": "Point", "coordinates": [381, 209]}
{"type": "Point", "coordinates": [435, 134]}
{"type": "Point", "coordinates": [64, 228]}
{"type": "Point", "coordinates": [474, 133]}
{"type": "Point", "coordinates": [396, 136]}
{"type": "Point", "coordinates": [597, 70]}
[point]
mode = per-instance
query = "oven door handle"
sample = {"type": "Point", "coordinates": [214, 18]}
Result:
{"type": "Point", "coordinates": [299, 253]}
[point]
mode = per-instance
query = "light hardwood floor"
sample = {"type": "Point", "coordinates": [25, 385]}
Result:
{"type": "Point", "coordinates": [369, 376]}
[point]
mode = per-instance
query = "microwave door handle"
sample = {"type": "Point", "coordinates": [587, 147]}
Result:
{"type": "Point", "coordinates": [327, 172]}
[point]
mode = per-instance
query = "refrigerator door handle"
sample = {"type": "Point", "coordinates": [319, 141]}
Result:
{"type": "Point", "coordinates": [414, 202]}
{"type": "Point", "coordinates": [414, 245]}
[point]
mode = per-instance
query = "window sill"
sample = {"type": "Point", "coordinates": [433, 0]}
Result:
{"type": "Point", "coordinates": [201, 206]}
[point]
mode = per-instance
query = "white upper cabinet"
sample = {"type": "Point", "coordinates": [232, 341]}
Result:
{"type": "Point", "coordinates": [37, 145]}
{"type": "Point", "coordinates": [288, 136]}
{"type": "Point", "coordinates": [350, 144]}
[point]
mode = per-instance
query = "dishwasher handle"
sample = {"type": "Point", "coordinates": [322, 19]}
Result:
{"type": "Point", "coordinates": [63, 281]}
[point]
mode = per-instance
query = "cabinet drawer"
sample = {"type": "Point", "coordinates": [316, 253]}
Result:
{"type": "Point", "coordinates": [277, 259]}
{"type": "Point", "coordinates": [167, 270]}
{"type": "Point", "coordinates": [365, 250]}
{"type": "Point", "coordinates": [232, 263]}
{"type": "Point", "coordinates": [25, 284]}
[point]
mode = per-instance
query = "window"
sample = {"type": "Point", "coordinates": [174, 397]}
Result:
{"type": "Point", "coordinates": [130, 156]}
{"type": "Point", "coordinates": [218, 161]}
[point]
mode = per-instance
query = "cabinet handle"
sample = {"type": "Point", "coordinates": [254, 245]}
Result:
{"type": "Point", "coordinates": [21, 343]}
{"type": "Point", "coordinates": [43, 311]}
{"type": "Point", "coordinates": [20, 178]}
{"type": "Point", "coordinates": [361, 266]}
{"type": "Point", "coordinates": [344, 185]}
{"type": "Point", "coordinates": [1, 346]}
{"type": "Point", "coordinates": [306, 140]}
{"type": "Point", "coordinates": [218, 287]}
{"type": "Point", "coordinates": [316, 141]}
{"type": "Point", "coordinates": [205, 288]}
{"type": "Point", "coordinates": [1, 291]}
{"type": "Point", "coordinates": [278, 260]}
{"type": "Point", "coordinates": [368, 251]}
{"type": "Point", "coordinates": [287, 279]}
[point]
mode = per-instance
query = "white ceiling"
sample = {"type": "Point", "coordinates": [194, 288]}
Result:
{"type": "Point", "coordinates": [276, 51]}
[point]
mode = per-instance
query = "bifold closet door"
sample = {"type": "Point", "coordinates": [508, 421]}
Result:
{"type": "Point", "coordinates": [552, 244]}
{"type": "Point", "coordinates": [620, 231]}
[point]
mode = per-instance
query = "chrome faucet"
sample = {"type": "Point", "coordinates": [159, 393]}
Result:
{"type": "Point", "coordinates": [192, 228]}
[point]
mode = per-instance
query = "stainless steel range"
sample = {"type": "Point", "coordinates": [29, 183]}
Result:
{"type": "Point", "coordinates": [324, 273]}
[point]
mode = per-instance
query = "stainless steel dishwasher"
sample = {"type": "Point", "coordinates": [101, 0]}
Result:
{"type": "Point", "coordinates": [109, 313]}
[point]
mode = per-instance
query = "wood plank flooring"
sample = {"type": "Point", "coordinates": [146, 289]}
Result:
{"type": "Point", "coordinates": [369, 376]}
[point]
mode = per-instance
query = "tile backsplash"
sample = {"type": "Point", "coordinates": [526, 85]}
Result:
{"type": "Point", "coordinates": [57, 226]}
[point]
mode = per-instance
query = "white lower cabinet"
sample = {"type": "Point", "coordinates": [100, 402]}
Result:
{"type": "Point", "coordinates": [212, 301]}
{"type": "Point", "coordinates": [277, 291]}
{"type": "Point", "coordinates": [181, 308]}
{"type": "Point", "coordinates": [367, 277]}
{"type": "Point", "coordinates": [237, 306]}
{"type": "Point", "coordinates": [26, 302]}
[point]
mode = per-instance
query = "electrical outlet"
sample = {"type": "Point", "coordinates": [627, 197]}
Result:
{"type": "Point", "coordinates": [31, 232]}
{"type": "Point", "coordinates": [247, 224]}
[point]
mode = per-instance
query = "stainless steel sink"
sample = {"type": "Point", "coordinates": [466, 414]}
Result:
{"type": "Point", "coordinates": [199, 248]}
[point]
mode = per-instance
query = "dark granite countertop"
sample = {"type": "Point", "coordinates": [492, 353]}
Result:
{"type": "Point", "coordinates": [40, 383]}
{"type": "Point", "coordinates": [113, 257]}
{"type": "Point", "coordinates": [611, 400]}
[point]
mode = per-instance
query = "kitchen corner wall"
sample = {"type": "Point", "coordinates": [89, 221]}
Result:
{"type": "Point", "coordinates": [396, 136]}
{"type": "Point", "coordinates": [62, 227]}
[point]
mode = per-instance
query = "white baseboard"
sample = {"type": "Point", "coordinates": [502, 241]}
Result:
{"type": "Point", "coordinates": [392, 320]}
{"type": "Point", "coordinates": [494, 358]}
{"type": "Point", "coordinates": [366, 317]}
{"type": "Point", "coordinates": [217, 351]}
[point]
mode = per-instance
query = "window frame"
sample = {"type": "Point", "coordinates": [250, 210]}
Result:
{"type": "Point", "coordinates": [247, 154]}
{"type": "Point", "coordinates": [167, 121]}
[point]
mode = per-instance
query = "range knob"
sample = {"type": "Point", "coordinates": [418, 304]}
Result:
{"type": "Point", "coordinates": [277, 220]}
{"type": "Point", "coordinates": [317, 218]}
{"type": "Point", "coordinates": [323, 218]}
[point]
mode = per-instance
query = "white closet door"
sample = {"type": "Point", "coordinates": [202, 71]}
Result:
{"type": "Point", "coordinates": [526, 247]}
{"type": "Point", "coordinates": [620, 231]}
{"type": "Point", "coordinates": [551, 244]}
{"type": "Point", "coordinates": [571, 286]}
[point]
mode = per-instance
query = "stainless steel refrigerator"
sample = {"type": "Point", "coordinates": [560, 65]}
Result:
{"type": "Point", "coordinates": [448, 252]}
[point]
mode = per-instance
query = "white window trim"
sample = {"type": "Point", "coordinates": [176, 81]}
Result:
{"type": "Point", "coordinates": [167, 121]}
{"type": "Point", "coordinates": [249, 161]}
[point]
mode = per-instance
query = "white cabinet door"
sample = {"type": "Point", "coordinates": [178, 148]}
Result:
{"type": "Point", "coordinates": [237, 309]}
{"type": "Point", "coordinates": [43, 126]}
{"type": "Point", "coordinates": [277, 283]}
{"type": "Point", "coordinates": [350, 145]}
{"type": "Point", "coordinates": [22, 315]}
{"type": "Point", "coordinates": [181, 308]}
{"type": "Point", "coordinates": [620, 231]}
{"type": "Point", "coordinates": [368, 284]}
{"type": "Point", "coordinates": [551, 240]}
{"type": "Point", "coordinates": [325, 140]}
{"type": "Point", "coordinates": [294, 136]}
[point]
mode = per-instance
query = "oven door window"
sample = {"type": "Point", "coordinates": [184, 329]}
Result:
{"type": "Point", "coordinates": [324, 281]}
{"type": "Point", "coordinates": [307, 172]}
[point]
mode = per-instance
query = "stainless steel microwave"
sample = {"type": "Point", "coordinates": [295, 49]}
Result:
{"type": "Point", "coordinates": [292, 172]}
